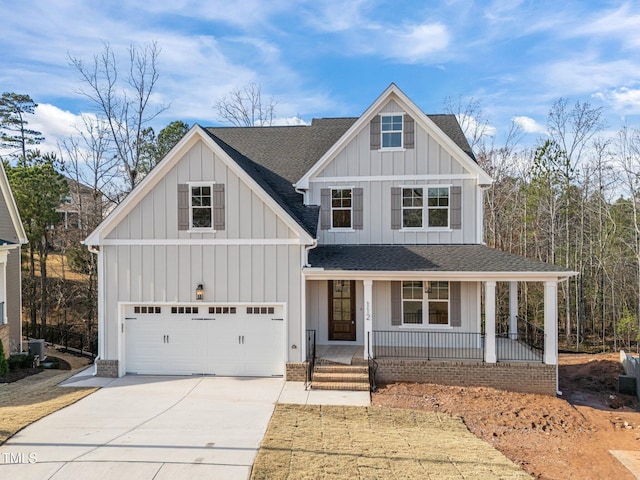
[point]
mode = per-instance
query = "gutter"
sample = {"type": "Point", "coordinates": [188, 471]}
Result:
{"type": "Point", "coordinates": [307, 249]}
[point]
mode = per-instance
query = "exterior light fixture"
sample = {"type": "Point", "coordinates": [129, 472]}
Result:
{"type": "Point", "coordinates": [199, 292]}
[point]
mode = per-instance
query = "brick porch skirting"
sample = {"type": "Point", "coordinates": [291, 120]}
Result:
{"type": "Point", "coordinates": [107, 368]}
{"type": "Point", "coordinates": [296, 372]}
{"type": "Point", "coordinates": [516, 377]}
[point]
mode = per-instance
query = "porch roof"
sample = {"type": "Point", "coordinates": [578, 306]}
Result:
{"type": "Point", "coordinates": [471, 260]}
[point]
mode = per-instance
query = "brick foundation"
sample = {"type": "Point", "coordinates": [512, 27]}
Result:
{"type": "Point", "coordinates": [107, 368]}
{"type": "Point", "coordinates": [296, 372]}
{"type": "Point", "coordinates": [516, 377]}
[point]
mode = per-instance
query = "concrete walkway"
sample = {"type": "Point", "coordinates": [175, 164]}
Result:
{"type": "Point", "coordinates": [148, 427]}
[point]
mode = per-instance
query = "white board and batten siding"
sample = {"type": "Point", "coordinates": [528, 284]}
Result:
{"type": "Point", "coordinates": [147, 259]}
{"type": "Point", "coordinates": [376, 172]}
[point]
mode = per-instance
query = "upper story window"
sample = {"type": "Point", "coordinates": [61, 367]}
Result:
{"type": "Point", "coordinates": [438, 206]}
{"type": "Point", "coordinates": [201, 205]}
{"type": "Point", "coordinates": [391, 129]}
{"type": "Point", "coordinates": [412, 207]}
{"type": "Point", "coordinates": [341, 208]}
{"type": "Point", "coordinates": [422, 305]}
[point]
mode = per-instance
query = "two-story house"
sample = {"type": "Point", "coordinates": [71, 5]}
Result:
{"type": "Point", "coordinates": [12, 236]}
{"type": "Point", "coordinates": [246, 249]}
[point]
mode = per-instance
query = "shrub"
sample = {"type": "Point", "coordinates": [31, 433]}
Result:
{"type": "Point", "coordinates": [4, 365]}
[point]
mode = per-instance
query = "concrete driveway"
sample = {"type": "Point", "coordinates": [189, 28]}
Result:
{"type": "Point", "coordinates": [149, 428]}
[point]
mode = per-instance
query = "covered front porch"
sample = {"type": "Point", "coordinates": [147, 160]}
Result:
{"type": "Point", "coordinates": [410, 305]}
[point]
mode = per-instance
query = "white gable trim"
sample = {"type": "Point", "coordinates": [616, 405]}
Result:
{"type": "Point", "coordinates": [11, 206]}
{"type": "Point", "coordinates": [418, 115]}
{"type": "Point", "coordinates": [194, 135]}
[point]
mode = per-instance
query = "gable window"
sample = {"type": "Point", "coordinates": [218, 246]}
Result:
{"type": "Point", "coordinates": [412, 207]}
{"type": "Point", "coordinates": [341, 207]}
{"type": "Point", "coordinates": [201, 199]}
{"type": "Point", "coordinates": [422, 305]}
{"type": "Point", "coordinates": [391, 129]}
{"type": "Point", "coordinates": [438, 206]}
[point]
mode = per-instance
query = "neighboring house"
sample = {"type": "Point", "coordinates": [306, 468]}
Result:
{"type": "Point", "coordinates": [12, 236]}
{"type": "Point", "coordinates": [365, 231]}
{"type": "Point", "coordinates": [79, 212]}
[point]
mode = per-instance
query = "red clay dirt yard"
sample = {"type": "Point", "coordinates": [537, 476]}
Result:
{"type": "Point", "coordinates": [551, 438]}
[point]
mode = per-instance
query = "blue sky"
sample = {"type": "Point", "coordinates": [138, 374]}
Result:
{"type": "Point", "coordinates": [333, 58]}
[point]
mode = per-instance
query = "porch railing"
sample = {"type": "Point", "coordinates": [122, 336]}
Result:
{"type": "Point", "coordinates": [373, 366]}
{"type": "Point", "coordinates": [428, 345]}
{"type": "Point", "coordinates": [57, 334]}
{"type": "Point", "coordinates": [525, 345]}
{"type": "Point", "coordinates": [311, 357]}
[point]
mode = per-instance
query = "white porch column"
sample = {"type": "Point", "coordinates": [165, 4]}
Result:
{"type": "Point", "coordinates": [551, 322]}
{"type": "Point", "coordinates": [368, 315]}
{"type": "Point", "coordinates": [513, 310]}
{"type": "Point", "coordinates": [490, 322]}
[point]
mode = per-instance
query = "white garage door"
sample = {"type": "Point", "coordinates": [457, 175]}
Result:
{"type": "Point", "coordinates": [204, 339]}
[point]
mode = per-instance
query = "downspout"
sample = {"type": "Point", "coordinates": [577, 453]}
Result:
{"type": "Point", "coordinates": [95, 250]}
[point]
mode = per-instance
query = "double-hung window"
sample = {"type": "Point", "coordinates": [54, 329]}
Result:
{"type": "Point", "coordinates": [201, 206]}
{"type": "Point", "coordinates": [438, 206]}
{"type": "Point", "coordinates": [412, 207]}
{"type": "Point", "coordinates": [425, 303]}
{"type": "Point", "coordinates": [341, 208]}
{"type": "Point", "coordinates": [391, 130]}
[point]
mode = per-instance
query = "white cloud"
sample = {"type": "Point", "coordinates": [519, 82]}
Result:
{"type": "Point", "coordinates": [621, 23]}
{"type": "Point", "coordinates": [418, 43]}
{"type": "Point", "coordinates": [288, 121]}
{"type": "Point", "coordinates": [623, 98]}
{"type": "Point", "coordinates": [474, 129]}
{"type": "Point", "coordinates": [529, 125]}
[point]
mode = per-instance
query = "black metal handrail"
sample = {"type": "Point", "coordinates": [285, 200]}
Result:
{"type": "Point", "coordinates": [428, 345]}
{"type": "Point", "coordinates": [530, 334]}
{"type": "Point", "coordinates": [524, 344]}
{"type": "Point", "coordinates": [311, 358]}
{"type": "Point", "coordinates": [373, 366]}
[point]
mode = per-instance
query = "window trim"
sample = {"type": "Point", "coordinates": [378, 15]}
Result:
{"type": "Point", "coordinates": [200, 184]}
{"type": "Point", "coordinates": [425, 307]}
{"type": "Point", "coordinates": [401, 148]}
{"type": "Point", "coordinates": [331, 209]}
{"type": "Point", "coordinates": [447, 228]}
{"type": "Point", "coordinates": [403, 208]}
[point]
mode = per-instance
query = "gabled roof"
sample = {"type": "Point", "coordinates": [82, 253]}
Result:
{"type": "Point", "coordinates": [443, 127]}
{"type": "Point", "coordinates": [11, 206]}
{"type": "Point", "coordinates": [240, 168]}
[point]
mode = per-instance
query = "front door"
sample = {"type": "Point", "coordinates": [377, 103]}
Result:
{"type": "Point", "coordinates": [342, 310]}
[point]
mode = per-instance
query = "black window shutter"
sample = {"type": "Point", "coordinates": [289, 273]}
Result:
{"type": "Point", "coordinates": [183, 206]}
{"type": "Point", "coordinates": [218, 206]}
{"type": "Point", "coordinates": [325, 209]}
{"type": "Point", "coordinates": [454, 304]}
{"type": "Point", "coordinates": [409, 132]}
{"type": "Point", "coordinates": [456, 207]}
{"type": "Point", "coordinates": [358, 220]}
{"type": "Point", "coordinates": [374, 127]}
{"type": "Point", "coordinates": [396, 208]}
{"type": "Point", "coordinates": [396, 303]}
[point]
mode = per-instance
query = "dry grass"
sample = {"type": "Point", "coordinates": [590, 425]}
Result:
{"type": "Point", "coordinates": [27, 400]}
{"type": "Point", "coordinates": [357, 443]}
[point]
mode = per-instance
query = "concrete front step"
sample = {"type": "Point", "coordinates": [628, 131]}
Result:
{"type": "Point", "coordinates": [359, 387]}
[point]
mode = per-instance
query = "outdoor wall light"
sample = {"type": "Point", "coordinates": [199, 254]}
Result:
{"type": "Point", "coordinates": [199, 292]}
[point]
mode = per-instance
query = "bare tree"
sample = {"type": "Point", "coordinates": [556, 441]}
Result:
{"type": "Point", "coordinates": [245, 107]}
{"type": "Point", "coordinates": [472, 120]}
{"type": "Point", "coordinates": [123, 106]}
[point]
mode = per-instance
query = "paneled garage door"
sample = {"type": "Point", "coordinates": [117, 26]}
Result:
{"type": "Point", "coordinates": [204, 339]}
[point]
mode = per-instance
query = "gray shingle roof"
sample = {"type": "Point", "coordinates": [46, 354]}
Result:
{"type": "Point", "coordinates": [277, 157]}
{"type": "Point", "coordinates": [427, 258]}
{"type": "Point", "coordinates": [7, 242]}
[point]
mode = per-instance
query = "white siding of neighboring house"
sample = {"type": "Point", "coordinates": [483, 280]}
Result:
{"type": "Point", "coordinates": [229, 273]}
{"type": "Point", "coordinates": [428, 157]}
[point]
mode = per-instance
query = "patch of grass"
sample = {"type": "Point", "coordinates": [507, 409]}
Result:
{"type": "Point", "coordinates": [357, 443]}
{"type": "Point", "coordinates": [27, 400]}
